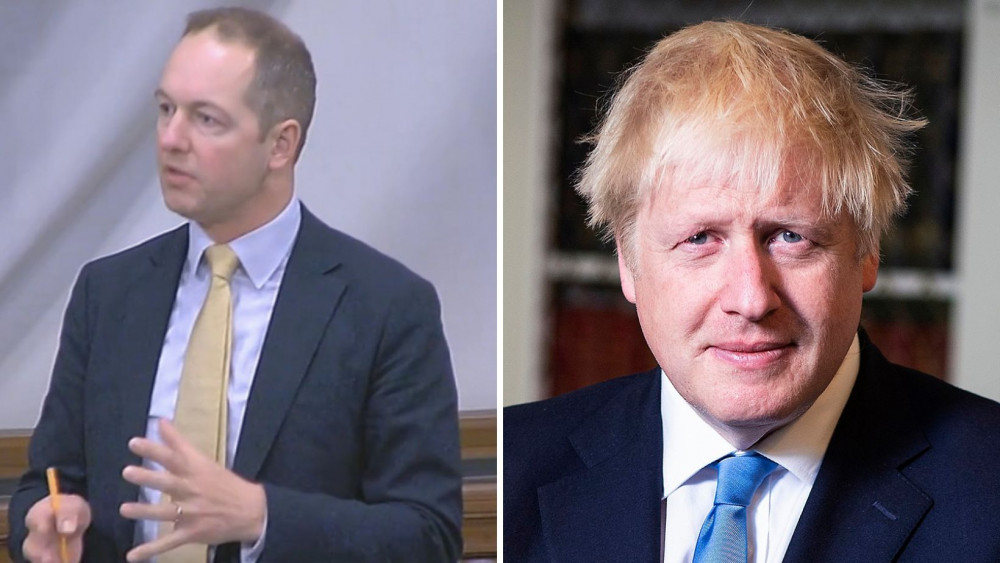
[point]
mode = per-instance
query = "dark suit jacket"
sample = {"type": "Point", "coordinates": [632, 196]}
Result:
{"type": "Point", "coordinates": [351, 424]}
{"type": "Point", "coordinates": [911, 474]}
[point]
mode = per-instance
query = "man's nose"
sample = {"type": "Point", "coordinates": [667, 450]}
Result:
{"type": "Point", "coordinates": [750, 285]}
{"type": "Point", "coordinates": [172, 133]}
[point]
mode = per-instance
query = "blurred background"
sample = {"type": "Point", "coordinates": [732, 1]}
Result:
{"type": "Point", "coordinates": [935, 307]}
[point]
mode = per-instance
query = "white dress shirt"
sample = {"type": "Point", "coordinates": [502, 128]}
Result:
{"type": "Point", "coordinates": [690, 445]}
{"type": "Point", "coordinates": [263, 255]}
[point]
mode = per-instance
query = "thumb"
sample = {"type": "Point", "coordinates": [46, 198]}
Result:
{"type": "Point", "coordinates": [73, 516]}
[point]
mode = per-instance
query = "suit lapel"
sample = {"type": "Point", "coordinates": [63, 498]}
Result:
{"type": "Point", "coordinates": [862, 508]}
{"type": "Point", "coordinates": [308, 296]}
{"type": "Point", "coordinates": [148, 301]}
{"type": "Point", "coordinates": [610, 511]}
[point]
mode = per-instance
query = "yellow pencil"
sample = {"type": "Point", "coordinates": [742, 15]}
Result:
{"type": "Point", "coordinates": [53, 478]}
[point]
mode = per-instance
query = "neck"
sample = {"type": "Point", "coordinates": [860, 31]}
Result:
{"type": "Point", "coordinates": [745, 437]}
{"type": "Point", "coordinates": [255, 214]}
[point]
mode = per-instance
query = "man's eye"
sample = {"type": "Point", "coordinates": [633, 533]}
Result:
{"type": "Point", "coordinates": [700, 238]}
{"type": "Point", "coordinates": [791, 237]}
{"type": "Point", "coordinates": [205, 119]}
{"type": "Point", "coordinates": [164, 108]}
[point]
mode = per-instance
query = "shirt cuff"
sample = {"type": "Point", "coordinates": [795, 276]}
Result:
{"type": "Point", "coordinates": [250, 553]}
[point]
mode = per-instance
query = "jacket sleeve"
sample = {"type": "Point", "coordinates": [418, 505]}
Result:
{"type": "Point", "coordinates": [58, 439]}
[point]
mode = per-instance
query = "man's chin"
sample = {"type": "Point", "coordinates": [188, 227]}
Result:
{"type": "Point", "coordinates": [179, 204]}
{"type": "Point", "coordinates": [746, 423]}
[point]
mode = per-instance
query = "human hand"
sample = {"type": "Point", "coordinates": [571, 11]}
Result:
{"type": "Point", "coordinates": [210, 504]}
{"type": "Point", "coordinates": [45, 527]}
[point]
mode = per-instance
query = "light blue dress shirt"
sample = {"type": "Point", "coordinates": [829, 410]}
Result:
{"type": "Point", "coordinates": [263, 255]}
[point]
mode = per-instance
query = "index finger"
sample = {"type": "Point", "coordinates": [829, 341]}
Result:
{"type": "Point", "coordinates": [173, 438]}
{"type": "Point", "coordinates": [41, 519]}
{"type": "Point", "coordinates": [153, 451]}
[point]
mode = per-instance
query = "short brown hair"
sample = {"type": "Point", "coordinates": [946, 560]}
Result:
{"type": "Point", "coordinates": [284, 84]}
{"type": "Point", "coordinates": [751, 95]}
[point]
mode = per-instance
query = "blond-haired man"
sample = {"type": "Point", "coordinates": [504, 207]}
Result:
{"type": "Point", "coordinates": [746, 176]}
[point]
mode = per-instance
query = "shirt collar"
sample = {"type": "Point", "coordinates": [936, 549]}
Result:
{"type": "Point", "coordinates": [690, 443]}
{"type": "Point", "coordinates": [261, 251]}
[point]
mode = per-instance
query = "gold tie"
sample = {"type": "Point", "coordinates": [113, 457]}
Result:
{"type": "Point", "coordinates": [201, 413]}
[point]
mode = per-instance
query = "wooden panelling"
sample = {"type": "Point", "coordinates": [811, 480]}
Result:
{"type": "Point", "coordinates": [479, 522]}
{"type": "Point", "coordinates": [479, 493]}
{"type": "Point", "coordinates": [4, 531]}
{"type": "Point", "coordinates": [13, 461]}
{"type": "Point", "coordinates": [13, 452]}
{"type": "Point", "coordinates": [478, 434]}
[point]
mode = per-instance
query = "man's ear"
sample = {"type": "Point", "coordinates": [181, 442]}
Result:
{"type": "Point", "coordinates": [284, 137]}
{"type": "Point", "coordinates": [869, 271]}
{"type": "Point", "coordinates": [625, 273]}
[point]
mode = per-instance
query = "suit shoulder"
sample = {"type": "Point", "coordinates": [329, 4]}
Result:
{"type": "Point", "coordinates": [128, 257]}
{"type": "Point", "coordinates": [943, 410]}
{"type": "Point", "coordinates": [541, 439]}
{"type": "Point", "coordinates": [947, 409]}
{"type": "Point", "coordinates": [372, 267]}
{"type": "Point", "coordinates": [562, 414]}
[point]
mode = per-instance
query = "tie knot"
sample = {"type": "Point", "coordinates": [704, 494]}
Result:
{"type": "Point", "coordinates": [221, 260]}
{"type": "Point", "coordinates": [739, 477]}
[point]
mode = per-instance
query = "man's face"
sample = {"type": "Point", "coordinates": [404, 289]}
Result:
{"type": "Point", "coordinates": [749, 303]}
{"type": "Point", "coordinates": [212, 163]}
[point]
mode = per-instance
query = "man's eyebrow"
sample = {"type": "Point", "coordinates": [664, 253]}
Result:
{"type": "Point", "coordinates": [821, 227]}
{"type": "Point", "coordinates": [198, 104]}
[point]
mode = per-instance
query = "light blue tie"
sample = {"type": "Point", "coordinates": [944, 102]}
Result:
{"type": "Point", "coordinates": [723, 537]}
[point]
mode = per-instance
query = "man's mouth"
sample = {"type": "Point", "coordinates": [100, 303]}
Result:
{"type": "Point", "coordinates": [752, 354]}
{"type": "Point", "coordinates": [173, 173]}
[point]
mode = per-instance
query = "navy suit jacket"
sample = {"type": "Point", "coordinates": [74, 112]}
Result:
{"type": "Point", "coordinates": [911, 474]}
{"type": "Point", "coordinates": [351, 424]}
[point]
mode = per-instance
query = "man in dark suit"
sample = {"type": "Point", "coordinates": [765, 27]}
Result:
{"type": "Point", "coordinates": [339, 425]}
{"type": "Point", "coordinates": [746, 176]}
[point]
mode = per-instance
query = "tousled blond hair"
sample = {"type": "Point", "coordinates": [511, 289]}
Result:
{"type": "Point", "coordinates": [737, 103]}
